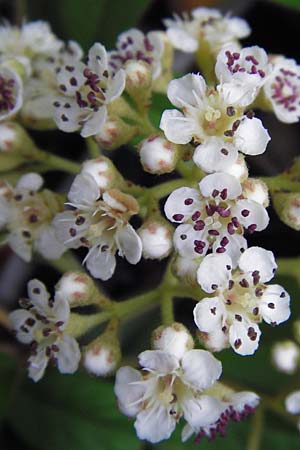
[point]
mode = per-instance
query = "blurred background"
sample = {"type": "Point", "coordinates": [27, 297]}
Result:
{"type": "Point", "coordinates": [78, 412]}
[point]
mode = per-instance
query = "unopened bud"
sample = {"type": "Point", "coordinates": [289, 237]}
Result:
{"type": "Point", "coordinates": [114, 133]}
{"type": "Point", "coordinates": [256, 190]}
{"type": "Point", "coordinates": [239, 169]}
{"type": "Point", "coordinates": [285, 356]}
{"type": "Point", "coordinates": [158, 155]}
{"type": "Point", "coordinates": [186, 269]}
{"type": "Point", "coordinates": [287, 206]}
{"type": "Point", "coordinates": [102, 356]}
{"type": "Point", "coordinates": [138, 76]}
{"type": "Point", "coordinates": [156, 236]}
{"type": "Point", "coordinates": [103, 171]}
{"type": "Point", "coordinates": [77, 288]}
{"type": "Point", "coordinates": [174, 339]}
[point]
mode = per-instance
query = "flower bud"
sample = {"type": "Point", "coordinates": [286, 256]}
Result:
{"type": "Point", "coordinates": [102, 356]}
{"type": "Point", "coordinates": [285, 356]}
{"type": "Point", "coordinates": [103, 171]}
{"type": "Point", "coordinates": [186, 269]}
{"type": "Point", "coordinates": [158, 155]}
{"type": "Point", "coordinates": [156, 236]}
{"type": "Point", "coordinates": [239, 169]}
{"type": "Point", "coordinates": [114, 133]}
{"type": "Point", "coordinates": [174, 339]}
{"type": "Point", "coordinates": [256, 190]}
{"type": "Point", "coordinates": [77, 288]}
{"type": "Point", "coordinates": [287, 206]}
{"type": "Point", "coordinates": [138, 76]}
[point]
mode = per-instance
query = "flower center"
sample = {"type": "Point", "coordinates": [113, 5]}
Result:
{"type": "Point", "coordinates": [7, 97]}
{"type": "Point", "coordinates": [285, 91]}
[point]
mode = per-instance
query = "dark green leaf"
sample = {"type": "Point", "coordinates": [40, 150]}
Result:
{"type": "Point", "coordinates": [293, 3]}
{"type": "Point", "coordinates": [7, 378]}
{"type": "Point", "coordinates": [71, 413]}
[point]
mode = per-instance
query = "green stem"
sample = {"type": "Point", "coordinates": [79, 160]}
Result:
{"type": "Point", "coordinates": [166, 308]}
{"type": "Point", "coordinates": [79, 324]}
{"type": "Point", "coordinates": [255, 436]}
{"type": "Point", "coordinates": [135, 304]}
{"type": "Point", "coordinates": [162, 190]}
{"type": "Point", "coordinates": [57, 162]}
{"type": "Point", "coordinates": [66, 263]}
{"type": "Point", "coordinates": [93, 147]}
{"type": "Point", "coordinates": [281, 182]}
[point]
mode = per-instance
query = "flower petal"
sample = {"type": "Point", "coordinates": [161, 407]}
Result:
{"type": "Point", "coordinates": [94, 123]}
{"type": "Point", "coordinates": [214, 272]}
{"type": "Point", "coordinates": [84, 190]}
{"type": "Point", "coordinates": [257, 258]}
{"type": "Point", "coordinates": [37, 365]}
{"type": "Point", "coordinates": [215, 155]}
{"type": "Point", "coordinates": [292, 403]}
{"type": "Point", "coordinates": [200, 369]}
{"type": "Point", "coordinates": [201, 412]}
{"type": "Point", "coordinates": [188, 90]}
{"type": "Point", "coordinates": [182, 40]}
{"type": "Point", "coordinates": [18, 319]}
{"type": "Point", "coordinates": [155, 423]}
{"type": "Point", "coordinates": [31, 182]}
{"type": "Point", "coordinates": [244, 336]}
{"type": "Point", "coordinates": [251, 213]}
{"type": "Point", "coordinates": [69, 355]}
{"type": "Point", "coordinates": [159, 361]}
{"type": "Point", "coordinates": [129, 244]}
{"type": "Point", "coordinates": [274, 306]}
{"type": "Point", "coordinates": [186, 238]}
{"type": "Point", "coordinates": [128, 390]}
{"type": "Point", "coordinates": [209, 313]}
{"type": "Point", "coordinates": [39, 296]}
{"type": "Point", "coordinates": [101, 263]}
{"type": "Point", "coordinates": [48, 245]}
{"type": "Point", "coordinates": [182, 204]}
{"type": "Point", "coordinates": [251, 137]}
{"type": "Point", "coordinates": [219, 182]}
{"type": "Point", "coordinates": [177, 128]}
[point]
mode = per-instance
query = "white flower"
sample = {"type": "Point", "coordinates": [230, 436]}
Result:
{"type": "Point", "coordinates": [11, 92]}
{"type": "Point", "coordinates": [208, 118]}
{"type": "Point", "coordinates": [207, 26]}
{"type": "Point", "coordinates": [174, 339]}
{"type": "Point", "coordinates": [26, 215]}
{"type": "Point", "coordinates": [169, 388]}
{"type": "Point", "coordinates": [292, 403]}
{"type": "Point", "coordinates": [286, 356]}
{"type": "Point", "coordinates": [156, 237]}
{"type": "Point", "coordinates": [41, 324]}
{"type": "Point", "coordinates": [86, 90]}
{"type": "Point", "coordinates": [133, 45]}
{"type": "Point", "coordinates": [241, 300]}
{"type": "Point", "coordinates": [282, 89]}
{"type": "Point", "coordinates": [213, 217]}
{"type": "Point", "coordinates": [242, 72]}
{"type": "Point", "coordinates": [100, 224]}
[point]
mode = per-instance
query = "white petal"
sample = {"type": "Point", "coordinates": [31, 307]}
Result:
{"type": "Point", "coordinates": [84, 190]}
{"type": "Point", "coordinates": [251, 137]}
{"type": "Point", "coordinates": [69, 355]}
{"type": "Point", "coordinates": [219, 182]}
{"type": "Point", "coordinates": [20, 245]}
{"type": "Point", "coordinates": [236, 245]}
{"type": "Point", "coordinates": [216, 340]}
{"type": "Point", "coordinates": [182, 204]}
{"type": "Point", "coordinates": [63, 223]}
{"type": "Point", "coordinates": [97, 58]}
{"type": "Point", "coordinates": [214, 272]}
{"type": "Point", "coordinates": [31, 181]}
{"type": "Point", "coordinates": [244, 337]}
{"type": "Point", "coordinates": [292, 403]}
{"type": "Point", "coordinates": [128, 391]}
{"type": "Point", "coordinates": [209, 313]}
{"type": "Point", "coordinates": [184, 241]}
{"type": "Point", "coordinates": [274, 306]}
{"type": "Point", "coordinates": [39, 296]}
{"type": "Point", "coordinates": [257, 258]}
{"type": "Point", "coordinates": [158, 360]}
{"type": "Point", "coordinates": [60, 311]}
{"type": "Point", "coordinates": [215, 155]}
{"type": "Point", "coordinates": [101, 264]}
{"type": "Point", "coordinates": [48, 245]}
{"type": "Point", "coordinates": [182, 40]}
{"type": "Point", "coordinates": [241, 399]}
{"type": "Point", "coordinates": [251, 213]}
{"type": "Point", "coordinates": [177, 128]}
{"type": "Point", "coordinates": [201, 412]}
{"type": "Point", "coordinates": [188, 90]}
{"type": "Point", "coordinates": [129, 244]}
{"type": "Point", "coordinates": [94, 123]}
{"type": "Point", "coordinates": [155, 424]}
{"type": "Point", "coordinates": [37, 365]}
{"type": "Point", "coordinates": [200, 369]}
{"type": "Point", "coordinates": [116, 86]}
{"type": "Point", "coordinates": [17, 319]}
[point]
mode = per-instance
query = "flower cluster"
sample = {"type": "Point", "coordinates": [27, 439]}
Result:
{"type": "Point", "coordinates": [213, 208]}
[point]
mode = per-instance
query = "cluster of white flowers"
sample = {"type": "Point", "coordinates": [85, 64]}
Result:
{"type": "Point", "coordinates": [45, 83]}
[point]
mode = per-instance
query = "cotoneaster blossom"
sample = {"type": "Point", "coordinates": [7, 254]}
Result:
{"type": "Point", "coordinates": [42, 324]}
{"type": "Point", "coordinates": [205, 27]}
{"type": "Point", "coordinates": [214, 121]}
{"type": "Point", "coordinates": [282, 89]}
{"type": "Point", "coordinates": [101, 224]}
{"type": "Point", "coordinates": [213, 217]}
{"type": "Point", "coordinates": [26, 214]}
{"type": "Point", "coordinates": [11, 92]}
{"type": "Point", "coordinates": [133, 45]}
{"type": "Point", "coordinates": [86, 90]}
{"type": "Point", "coordinates": [240, 300]}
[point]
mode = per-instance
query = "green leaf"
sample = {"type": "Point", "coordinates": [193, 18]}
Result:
{"type": "Point", "coordinates": [7, 376]}
{"type": "Point", "coordinates": [293, 3]}
{"type": "Point", "coordinates": [88, 21]}
{"type": "Point", "coordinates": [71, 413]}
